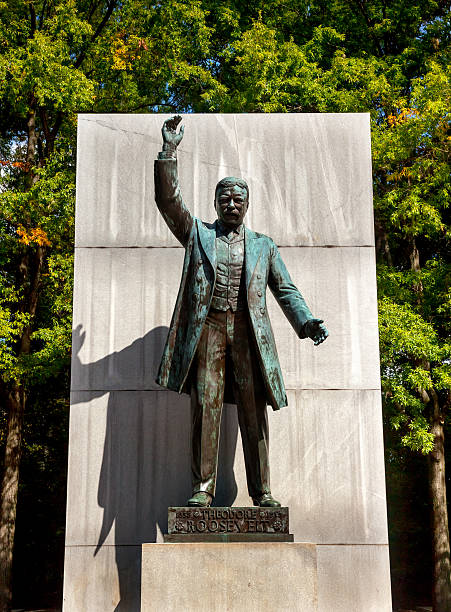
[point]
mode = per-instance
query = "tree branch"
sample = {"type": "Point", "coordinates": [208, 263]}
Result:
{"type": "Point", "coordinates": [41, 16]}
{"type": "Point", "coordinates": [111, 6]}
{"type": "Point", "coordinates": [370, 24]}
{"type": "Point", "coordinates": [92, 8]}
{"type": "Point", "coordinates": [45, 125]}
{"type": "Point", "coordinates": [32, 18]}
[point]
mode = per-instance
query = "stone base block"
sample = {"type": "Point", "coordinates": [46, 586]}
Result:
{"type": "Point", "coordinates": [234, 577]}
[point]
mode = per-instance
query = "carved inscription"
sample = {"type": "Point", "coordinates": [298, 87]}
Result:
{"type": "Point", "coordinates": [227, 520]}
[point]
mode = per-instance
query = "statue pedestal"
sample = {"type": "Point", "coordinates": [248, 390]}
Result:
{"type": "Point", "coordinates": [234, 576]}
{"type": "Point", "coordinates": [228, 558]}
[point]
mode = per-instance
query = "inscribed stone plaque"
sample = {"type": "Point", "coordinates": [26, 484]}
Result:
{"type": "Point", "coordinates": [188, 520]}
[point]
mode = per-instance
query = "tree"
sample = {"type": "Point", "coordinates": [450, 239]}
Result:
{"type": "Point", "coordinates": [59, 58]}
{"type": "Point", "coordinates": [412, 195]}
{"type": "Point", "coordinates": [390, 60]}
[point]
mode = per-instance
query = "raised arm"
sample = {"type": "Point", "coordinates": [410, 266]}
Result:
{"type": "Point", "coordinates": [292, 303]}
{"type": "Point", "coordinates": [167, 189]}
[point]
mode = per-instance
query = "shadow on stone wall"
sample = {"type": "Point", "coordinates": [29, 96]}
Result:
{"type": "Point", "coordinates": [146, 460]}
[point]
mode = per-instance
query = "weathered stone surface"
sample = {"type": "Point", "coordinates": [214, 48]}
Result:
{"type": "Point", "coordinates": [353, 578]}
{"type": "Point", "coordinates": [236, 520]}
{"type": "Point", "coordinates": [124, 300]}
{"type": "Point", "coordinates": [327, 464]}
{"type": "Point", "coordinates": [349, 577]}
{"type": "Point", "coordinates": [129, 460]}
{"type": "Point", "coordinates": [309, 176]}
{"type": "Point", "coordinates": [235, 577]}
{"type": "Point", "coordinates": [102, 580]}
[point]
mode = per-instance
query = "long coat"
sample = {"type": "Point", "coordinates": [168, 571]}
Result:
{"type": "Point", "coordinates": [263, 266]}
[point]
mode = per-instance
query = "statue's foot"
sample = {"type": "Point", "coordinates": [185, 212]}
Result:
{"type": "Point", "coordinates": [266, 500]}
{"type": "Point", "coordinates": [201, 499]}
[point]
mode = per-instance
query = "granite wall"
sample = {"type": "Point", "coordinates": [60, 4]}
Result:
{"type": "Point", "coordinates": [310, 190]}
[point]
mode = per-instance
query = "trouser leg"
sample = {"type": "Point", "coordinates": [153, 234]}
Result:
{"type": "Point", "coordinates": [207, 393]}
{"type": "Point", "coordinates": [251, 403]}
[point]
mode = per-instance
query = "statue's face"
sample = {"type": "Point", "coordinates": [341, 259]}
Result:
{"type": "Point", "coordinates": [231, 205]}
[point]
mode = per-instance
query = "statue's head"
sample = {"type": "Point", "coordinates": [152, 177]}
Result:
{"type": "Point", "coordinates": [231, 200]}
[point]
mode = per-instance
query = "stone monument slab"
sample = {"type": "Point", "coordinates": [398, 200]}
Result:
{"type": "Point", "coordinates": [126, 319]}
{"type": "Point", "coordinates": [329, 439]}
{"type": "Point", "coordinates": [316, 167]}
{"type": "Point", "coordinates": [310, 185]}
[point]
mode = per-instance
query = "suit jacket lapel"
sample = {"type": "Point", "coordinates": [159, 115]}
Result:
{"type": "Point", "coordinates": [207, 237]}
{"type": "Point", "coordinates": [252, 250]}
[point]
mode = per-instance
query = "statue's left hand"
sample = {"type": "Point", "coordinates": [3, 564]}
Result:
{"type": "Point", "coordinates": [316, 330]}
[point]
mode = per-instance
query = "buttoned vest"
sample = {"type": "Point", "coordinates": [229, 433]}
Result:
{"type": "Point", "coordinates": [229, 291]}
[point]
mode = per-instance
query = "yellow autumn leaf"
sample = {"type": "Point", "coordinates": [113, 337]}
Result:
{"type": "Point", "coordinates": [35, 234]}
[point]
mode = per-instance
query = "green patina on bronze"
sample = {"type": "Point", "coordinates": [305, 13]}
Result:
{"type": "Point", "coordinates": [203, 338]}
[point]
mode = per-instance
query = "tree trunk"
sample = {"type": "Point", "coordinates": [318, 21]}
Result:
{"type": "Point", "coordinates": [441, 589]}
{"type": "Point", "coordinates": [13, 452]}
{"type": "Point", "coordinates": [32, 143]}
{"type": "Point", "coordinates": [441, 578]}
{"type": "Point", "coordinates": [16, 396]}
{"type": "Point", "coordinates": [10, 486]}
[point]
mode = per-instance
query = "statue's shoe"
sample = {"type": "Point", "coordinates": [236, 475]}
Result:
{"type": "Point", "coordinates": [200, 499]}
{"type": "Point", "coordinates": [266, 500]}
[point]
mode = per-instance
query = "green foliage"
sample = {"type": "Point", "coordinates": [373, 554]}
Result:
{"type": "Point", "coordinates": [42, 215]}
{"type": "Point", "coordinates": [59, 57]}
{"type": "Point", "coordinates": [39, 63]}
{"type": "Point", "coordinates": [12, 324]}
{"type": "Point", "coordinates": [411, 161]}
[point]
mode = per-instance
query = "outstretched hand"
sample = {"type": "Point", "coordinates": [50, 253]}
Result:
{"type": "Point", "coordinates": [170, 135]}
{"type": "Point", "coordinates": [316, 330]}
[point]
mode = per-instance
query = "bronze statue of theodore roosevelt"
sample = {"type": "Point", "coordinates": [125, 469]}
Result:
{"type": "Point", "coordinates": [220, 342]}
